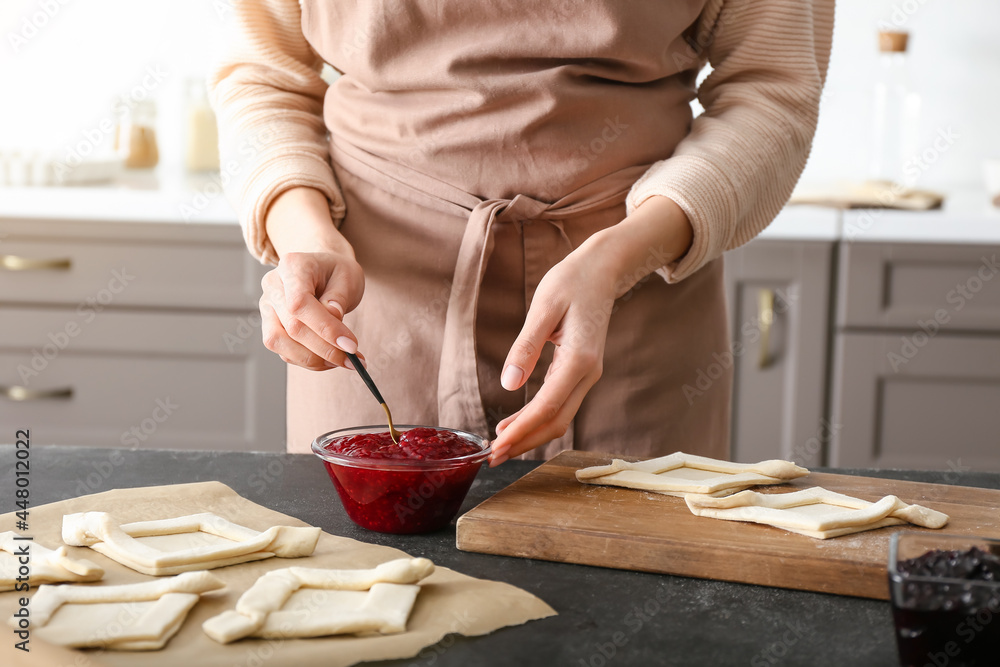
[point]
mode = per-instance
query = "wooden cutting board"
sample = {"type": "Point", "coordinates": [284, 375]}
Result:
{"type": "Point", "coordinates": [548, 515]}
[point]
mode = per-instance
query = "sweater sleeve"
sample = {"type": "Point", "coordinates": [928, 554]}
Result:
{"type": "Point", "coordinates": [737, 166]}
{"type": "Point", "coordinates": [268, 96]}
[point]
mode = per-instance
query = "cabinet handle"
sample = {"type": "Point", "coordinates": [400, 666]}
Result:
{"type": "Point", "coordinates": [18, 393]}
{"type": "Point", "coordinates": [16, 263]}
{"type": "Point", "coordinates": [765, 315]}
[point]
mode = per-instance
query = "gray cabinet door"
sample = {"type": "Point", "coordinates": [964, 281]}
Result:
{"type": "Point", "coordinates": [779, 390]}
{"type": "Point", "coordinates": [140, 379]}
{"type": "Point", "coordinates": [915, 401]}
{"type": "Point", "coordinates": [911, 285]}
{"type": "Point", "coordinates": [134, 334]}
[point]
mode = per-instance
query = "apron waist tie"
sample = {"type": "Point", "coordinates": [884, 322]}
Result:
{"type": "Point", "coordinates": [459, 398]}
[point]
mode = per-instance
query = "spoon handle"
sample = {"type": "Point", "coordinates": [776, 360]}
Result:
{"type": "Point", "coordinates": [359, 367]}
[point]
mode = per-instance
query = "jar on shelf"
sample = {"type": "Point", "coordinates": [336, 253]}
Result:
{"type": "Point", "coordinates": [135, 137]}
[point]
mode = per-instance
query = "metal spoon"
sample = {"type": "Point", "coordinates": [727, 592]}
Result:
{"type": "Point", "coordinates": [359, 367]}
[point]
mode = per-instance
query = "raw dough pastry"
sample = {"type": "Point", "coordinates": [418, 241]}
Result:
{"type": "Point", "coordinates": [136, 617]}
{"type": "Point", "coordinates": [678, 474]}
{"type": "Point", "coordinates": [815, 511]}
{"type": "Point", "coordinates": [312, 602]}
{"type": "Point", "coordinates": [46, 566]}
{"type": "Point", "coordinates": [195, 542]}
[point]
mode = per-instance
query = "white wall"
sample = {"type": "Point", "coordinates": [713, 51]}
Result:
{"type": "Point", "coordinates": [955, 66]}
{"type": "Point", "coordinates": [60, 83]}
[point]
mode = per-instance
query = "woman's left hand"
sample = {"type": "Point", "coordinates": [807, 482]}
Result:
{"type": "Point", "coordinates": [572, 309]}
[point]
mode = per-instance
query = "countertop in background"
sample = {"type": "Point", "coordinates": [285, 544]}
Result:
{"type": "Point", "coordinates": [967, 216]}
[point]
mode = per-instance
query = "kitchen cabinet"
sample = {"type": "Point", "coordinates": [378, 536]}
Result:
{"type": "Point", "coordinates": [936, 411]}
{"type": "Point", "coordinates": [859, 338]}
{"type": "Point", "coordinates": [917, 357]}
{"type": "Point", "coordinates": [779, 295]}
{"type": "Point", "coordinates": [135, 334]}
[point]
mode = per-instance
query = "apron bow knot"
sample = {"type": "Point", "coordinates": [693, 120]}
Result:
{"type": "Point", "coordinates": [459, 399]}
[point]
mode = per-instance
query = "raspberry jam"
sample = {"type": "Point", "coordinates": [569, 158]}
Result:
{"type": "Point", "coordinates": [946, 605]}
{"type": "Point", "coordinates": [414, 487]}
{"type": "Point", "coordinates": [419, 443]}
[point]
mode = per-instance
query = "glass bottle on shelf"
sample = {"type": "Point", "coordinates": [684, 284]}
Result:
{"type": "Point", "coordinates": [135, 138]}
{"type": "Point", "coordinates": [202, 134]}
{"type": "Point", "coordinates": [896, 109]}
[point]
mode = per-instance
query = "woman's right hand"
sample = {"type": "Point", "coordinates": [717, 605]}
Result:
{"type": "Point", "coordinates": [316, 282]}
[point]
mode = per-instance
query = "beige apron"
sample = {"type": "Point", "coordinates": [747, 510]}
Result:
{"type": "Point", "coordinates": [476, 145]}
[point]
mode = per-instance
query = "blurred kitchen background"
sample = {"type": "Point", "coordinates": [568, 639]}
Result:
{"type": "Point", "coordinates": [862, 336]}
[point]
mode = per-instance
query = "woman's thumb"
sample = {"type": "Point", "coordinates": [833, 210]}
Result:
{"type": "Point", "coordinates": [342, 294]}
{"type": "Point", "coordinates": [337, 301]}
{"type": "Point", "coordinates": [333, 306]}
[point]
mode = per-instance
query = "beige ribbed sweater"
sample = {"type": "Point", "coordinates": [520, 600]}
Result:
{"type": "Point", "coordinates": [731, 174]}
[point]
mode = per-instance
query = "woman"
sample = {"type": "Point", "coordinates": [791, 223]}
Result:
{"type": "Point", "coordinates": [494, 176]}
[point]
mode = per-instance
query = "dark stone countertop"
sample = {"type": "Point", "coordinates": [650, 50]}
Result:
{"type": "Point", "coordinates": [606, 617]}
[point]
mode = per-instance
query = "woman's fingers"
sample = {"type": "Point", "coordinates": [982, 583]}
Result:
{"type": "Point", "coordinates": [297, 331]}
{"type": "Point", "coordinates": [301, 279]}
{"type": "Point", "coordinates": [289, 294]}
{"type": "Point", "coordinates": [556, 428]}
{"type": "Point", "coordinates": [278, 341]}
{"type": "Point", "coordinates": [545, 432]}
{"type": "Point", "coordinates": [549, 413]}
{"type": "Point", "coordinates": [567, 313]}
{"type": "Point", "coordinates": [543, 317]}
{"type": "Point", "coordinates": [506, 421]}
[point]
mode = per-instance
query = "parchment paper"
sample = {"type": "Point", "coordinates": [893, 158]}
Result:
{"type": "Point", "coordinates": [449, 602]}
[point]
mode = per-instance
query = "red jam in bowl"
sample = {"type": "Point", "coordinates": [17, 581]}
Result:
{"type": "Point", "coordinates": [414, 487]}
{"type": "Point", "coordinates": [419, 443]}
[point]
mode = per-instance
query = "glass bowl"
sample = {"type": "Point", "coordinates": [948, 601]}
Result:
{"type": "Point", "coordinates": [401, 495]}
{"type": "Point", "coordinates": [945, 618]}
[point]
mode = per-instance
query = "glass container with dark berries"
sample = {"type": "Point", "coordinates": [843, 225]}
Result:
{"type": "Point", "coordinates": [945, 593]}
